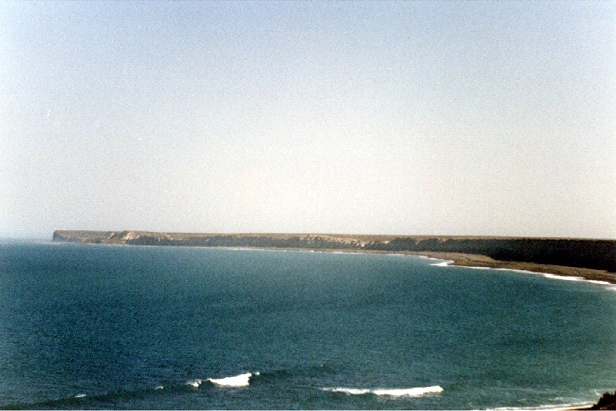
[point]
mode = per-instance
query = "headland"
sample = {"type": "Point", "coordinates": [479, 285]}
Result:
{"type": "Point", "coordinates": [592, 259]}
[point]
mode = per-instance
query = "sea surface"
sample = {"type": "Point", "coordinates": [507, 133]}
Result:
{"type": "Point", "coordinates": [117, 327]}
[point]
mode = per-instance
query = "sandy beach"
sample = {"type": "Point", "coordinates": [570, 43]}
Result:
{"type": "Point", "coordinates": [474, 260]}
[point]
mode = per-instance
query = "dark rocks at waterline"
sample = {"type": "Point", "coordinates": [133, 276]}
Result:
{"type": "Point", "coordinates": [606, 402]}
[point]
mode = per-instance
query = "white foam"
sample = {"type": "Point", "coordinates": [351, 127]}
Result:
{"type": "Point", "coordinates": [560, 277]}
{"type": "Point", "coordinates": [160, 387]}
{"type": "Point", "coordinates": [80, 395]}
{"type": "Point", "coordinates": [562, 407]}
{"type": "Point", "coordinates": [425, 257]}
{"type": "Point", "coordinates": [517, 271]}
{"type": "Point", "coordinates": [546, 275]}
{"type": "Point", "coordinates": [410, 392]}
{"type": "Point", "coordinates": [563, 277]}
{"type": "Point", "coordinates": [350, 391]}
{"type": "Point", "coordinates": [241, 380]}
{"type": "Point", "coordinates": [442, 264]}
{"type": "Point", "coordinates": [566, 278]}
{"type": "Point", "coordinates": [194, 383]}
{"type": "Point", "coordinates": [393, 392]}
{"type": "Point", "coordinates": [600, 282]}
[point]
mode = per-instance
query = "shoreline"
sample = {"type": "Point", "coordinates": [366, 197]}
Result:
{"type": "Point", "coordinates": [468, 260]}
{"type": "Point", "coordinates": [478, 261]}
{"type": "Point", "coordinates": [482, 261]}
{"type": "Point", "coordinates": [593, 259]}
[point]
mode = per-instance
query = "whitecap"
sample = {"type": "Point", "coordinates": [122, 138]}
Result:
{"type": "Point", "coordinates": [80, 395]}
{"type": "Point", "coordinates": [241, 380]}
{"type": "Point", "coordinates": [159, 387]}
{"type": "Point", "coordinates": [392, 392]}
{"type": "Point", "coordinates": [194, 383]}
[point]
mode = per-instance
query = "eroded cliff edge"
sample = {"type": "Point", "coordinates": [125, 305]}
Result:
{"type": "Point", "coordinates": [590, 254]}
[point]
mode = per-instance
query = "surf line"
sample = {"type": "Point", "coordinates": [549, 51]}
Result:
{"type": "Point", "coordinates": [450, 263]}
{"type": "Point", "coordinates": [392, 392]}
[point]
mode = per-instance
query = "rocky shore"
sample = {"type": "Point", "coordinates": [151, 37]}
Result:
{"type": "Point", "coordinates": [591, 259]}
{"type": "Point", "coordinates": [606, 402]}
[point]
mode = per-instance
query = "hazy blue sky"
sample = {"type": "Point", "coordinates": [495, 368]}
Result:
{"type": "Point", "coordinates": [461, 118]}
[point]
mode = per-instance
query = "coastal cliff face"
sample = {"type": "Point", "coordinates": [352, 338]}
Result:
{"type": "Point", "coordinates": [594, 254]}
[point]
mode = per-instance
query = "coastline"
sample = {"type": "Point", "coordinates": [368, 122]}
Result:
{"type": "Point", "coordinates": [482, 261]}
{"type": "Point", "coordinates": [477, 261]}
{"type": "Point", "coordinates": [572, 259]}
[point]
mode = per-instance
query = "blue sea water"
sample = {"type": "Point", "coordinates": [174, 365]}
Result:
{"type": "Point", "coordinates": [89, 326]}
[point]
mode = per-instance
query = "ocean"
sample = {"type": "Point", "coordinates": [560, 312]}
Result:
{"type": "Point", "coordinates": [128, 327]}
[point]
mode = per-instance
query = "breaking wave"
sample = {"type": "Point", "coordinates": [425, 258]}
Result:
{"type": "Point", "coordinates": [392, 392]}
{"type": "Point", "coordinates": [194, 383]}
{"type": "Point", "coordinates": [242, 380]}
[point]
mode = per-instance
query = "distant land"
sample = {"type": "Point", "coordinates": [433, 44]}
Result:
{"type": "Point", "coordinates": [587, 258]}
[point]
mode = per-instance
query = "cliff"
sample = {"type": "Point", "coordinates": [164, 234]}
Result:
{"type": "Point", "coordinates": [580, 253]}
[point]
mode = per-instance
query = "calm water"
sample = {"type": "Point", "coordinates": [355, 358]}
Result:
{"type": "Point", "coordinates": [85, 326]}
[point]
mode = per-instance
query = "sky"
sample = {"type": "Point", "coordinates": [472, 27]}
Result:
{"type": "Point", "coordinates": [414, 118]}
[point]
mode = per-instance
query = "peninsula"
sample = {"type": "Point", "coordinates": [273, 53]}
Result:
{"type": "Point", "coordinates": [587, 258]}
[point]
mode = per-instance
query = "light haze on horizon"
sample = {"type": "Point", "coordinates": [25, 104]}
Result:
{"type": "Point", "coordinates": [417, 118]}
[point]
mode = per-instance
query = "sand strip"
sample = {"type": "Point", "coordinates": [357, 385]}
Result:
{"type": "Point", "coordinates": [472, 260]}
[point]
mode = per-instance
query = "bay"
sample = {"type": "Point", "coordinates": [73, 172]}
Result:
{"type": "Point", "coordinates": [89, 326]}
